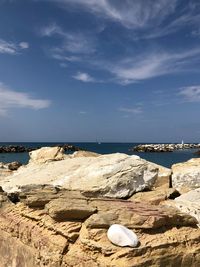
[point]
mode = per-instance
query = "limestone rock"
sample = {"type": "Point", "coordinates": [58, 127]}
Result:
{"type": "Point", "coordinates": [13, 166]}
{"type": "Point", "coordinates": [30, 237]}
{"type": "Point", "coordinates": [135, 215]}
{"type": "Point", "coordinates": [186, 175]}
{"type": "Point", "coordinates": [46, 154]}
{"type": "Point", "coordinates": [70, 209]}
{"type": "Point", "coordinates": [121, 236]}
{"type": "Point", "coordinates": [83, 153]}
{"type": "Point", "coordinates": [189, 203]}
{"type": "Point", "coordinates": [155, 196]}
{"type": "Point", "coordinates": [113, 175]}
{"type": "Point", "coordinates": [4, 171]}
{"type": "Point", "coordinates": [164, 176]}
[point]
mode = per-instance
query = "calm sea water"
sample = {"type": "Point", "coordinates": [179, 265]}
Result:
{"type": "Point", "coordinates": [165, 159]}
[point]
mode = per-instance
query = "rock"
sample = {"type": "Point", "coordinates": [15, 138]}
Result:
{"type": "Point", "coordinates": [164, 176]}
{"type": "Point", "coordinates": [155, 196]}
{"type": "Point", "coordinates": [135, 215]}
{"type": "Point", "coordinates": [83, 153]}
{"type": "Point", "coordinates": [69, 209]}
{"type": "Point", "coordinates": [189, 203]}
{"type": "Point", "coordinates": [29, 236]}
{"type": "Point", "coordinates": [121, 236]}
{"type": "Point", "coordinates": [46, 154]}
{"type": "Point", "coordinates": [113, 175]}
{"type": "Point", "coordinates": [13, 166]}
{"type": "Point", "coordinates": [185, 176]}
{"type": "Point", "coordinates": [163, 147]}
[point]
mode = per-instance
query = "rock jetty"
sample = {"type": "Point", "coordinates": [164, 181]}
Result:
{"type": "Point", "coordinates": [22, 149]}
{"type": "Point", "coordinates": [163, 147]}
{"type": "Point", "coordinates": [57, 210]}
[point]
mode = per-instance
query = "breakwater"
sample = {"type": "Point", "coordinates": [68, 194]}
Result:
{"type": "Point", "coordinates": [163, 147]}
{"type": "Point", "coordinates": [23, 149]}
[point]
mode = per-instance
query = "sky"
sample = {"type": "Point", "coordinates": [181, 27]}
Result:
{"type": "Point", "coordinates": [106, 70]}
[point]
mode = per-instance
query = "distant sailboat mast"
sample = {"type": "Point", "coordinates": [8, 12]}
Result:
{"type": "Point", "coordinates": [182, 142]}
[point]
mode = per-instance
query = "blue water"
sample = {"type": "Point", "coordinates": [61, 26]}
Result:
{"type": "Point", "coordinates": [166, 159]}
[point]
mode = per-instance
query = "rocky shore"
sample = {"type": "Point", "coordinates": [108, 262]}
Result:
{"type": "Point", "coordinates": [22, 149]}
{"type": "Point", "coordinates": [56, 211]}
{"type": "Point", "coordinates": [163, 147]}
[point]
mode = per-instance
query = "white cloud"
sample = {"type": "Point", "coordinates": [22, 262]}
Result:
{"type": "Point", "coordinates": [135, 69]}
{"type": "Point", "coordinates": [82, 112]}
{"type": "Point", "coordinates": [148, 18]}
{"type": "Point", "coordinates": [135, 110]}
{"type": "Point", "coordinates": [24, 45]}
{"type": "Point", "coordinates": [73, 42]}
{"type": "Point", "coordinates": [84, 77]}
{"type": "Point", "coordinates": [7, 47]}
{"type": "Point", "coordinates": [11, 48]}
{"type": "Point", "coordinates": [63, 65]}
{"type": "Point", "coordinates": [131, 14]}
{"type": "Point", "coordinates": [190, 93]}
{"type": "Point", "coordinates": [12, 99]}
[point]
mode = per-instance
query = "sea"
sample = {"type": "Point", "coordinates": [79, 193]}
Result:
{"type": "Point", "coordinates": [165, 158]}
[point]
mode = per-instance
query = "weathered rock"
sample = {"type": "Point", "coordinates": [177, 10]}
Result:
{"type": "Point", "coordinates": [114, 175]}
{"type": "Point", "coordinates": [46, 154]}
{"type": "Point", "coordinates": [4, 171]}
{"type": "Point", "coordinates": [83, 153]}
{"type": "Point", "coordinates": [135, 215]}
{"type": "Point", "coordinates": [30, 237]}
{"type": "Point", "coordinates": [188, 203]}
{"type": "Point", "coordinates": [121, 236]}
{"type": "Point", "coordinates": [13, 166]}
{"type": "Point", "coordinates": [70, 209]}
{"type": "Point", "coordinates": [155, 196]}
{"type": "Point", "coordinates": [164, 176]}
{"type": "Point", "coordinates": [186, 176]}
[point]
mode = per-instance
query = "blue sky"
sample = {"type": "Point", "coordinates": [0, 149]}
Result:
{"type": "Point", "coordinates": [112, 70]}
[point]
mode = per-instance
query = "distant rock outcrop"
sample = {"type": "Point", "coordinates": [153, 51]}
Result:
{"type": "Point", "coordinates": [163, 147]}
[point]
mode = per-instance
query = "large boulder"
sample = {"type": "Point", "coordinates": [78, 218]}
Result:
{"type": "Point", "coordinates": [186, 176]}
{"type": "Point", "coordinates": [114, 175]}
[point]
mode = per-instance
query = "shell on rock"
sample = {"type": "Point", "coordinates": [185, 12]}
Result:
{"type": "Point", "coordinates": [122, 236]}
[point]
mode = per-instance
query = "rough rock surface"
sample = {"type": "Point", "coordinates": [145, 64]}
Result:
{"type": "Point", "coordinates": [114, 175]}
{"type": "Point", "coordinates": [189, 203]}
{"type": "Point", "coordinates": [164, 176]}
{"type": "Point", "coordinates": [155, 196]}
{"type": "Point", "coordinates": [46, 154]}
{"type": "Point", "coordinates": [30, 237]}
{"type": "Point", "coordinates": [6, 169]}
{"type": "Point", "coordinates": [186, 176]}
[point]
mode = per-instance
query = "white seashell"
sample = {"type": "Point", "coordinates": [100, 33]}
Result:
{"type": "Point", "coordinates": [122, 236]}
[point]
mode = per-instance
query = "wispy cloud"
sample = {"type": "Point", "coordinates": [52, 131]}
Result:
{"type": "Point", "coordinates": [148, 18]}
{"type": "Point", "coordinates": [135, 110]}
{"type": "Point", "coordinates": [12, 48]}
{"type": "Point", "coordinates": [138, 68]}
{"type": "Point", "coordinates": [84, 77]}
{"type": "Point", "coordinates": [131, 14]}
{"type": "Point", "coordinates": [82, 112]}
{"type": "Point", "coordinates": [72, 42]}
{"type": "Point", "coordinates": [10, 99]}
{"type": "Point", "coordinates": [190, 93]}
{"type": "Point", "coordinates": [24, 45]}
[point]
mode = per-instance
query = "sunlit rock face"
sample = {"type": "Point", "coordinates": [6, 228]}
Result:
{"type": "Point", "coordinates": [113, 175]}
